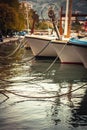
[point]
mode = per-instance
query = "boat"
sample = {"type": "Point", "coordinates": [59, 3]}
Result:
{"type": "Point", "coordinates": [59, 46]}
{"type": "Point", "coordinates": [80, 46]}
{"type": "Point", "coordinates": [39, 42]}
{"type": "Point", "coordinates": [40, 45]}
{"type": "Point", "coordinates": [66, 52]}
{"type": "Point", "coordinates": [63, 48]}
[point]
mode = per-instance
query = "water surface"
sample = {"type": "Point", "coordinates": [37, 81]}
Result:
{"type": "Point", "coordinates": [41, 100]}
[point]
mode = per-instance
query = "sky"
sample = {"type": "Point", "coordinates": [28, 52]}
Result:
{"type": "Point", "coordinates": [41, 6]}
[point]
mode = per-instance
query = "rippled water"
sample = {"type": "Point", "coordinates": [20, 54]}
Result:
{"type": "Point", "coordinates": [33, 99]}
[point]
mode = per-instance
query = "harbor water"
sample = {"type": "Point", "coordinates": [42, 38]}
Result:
{"type": "Point", "coordinates": [35, 98]}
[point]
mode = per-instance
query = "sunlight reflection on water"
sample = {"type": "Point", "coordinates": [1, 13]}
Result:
{"type": "Point", "coordinates": [36, 100]}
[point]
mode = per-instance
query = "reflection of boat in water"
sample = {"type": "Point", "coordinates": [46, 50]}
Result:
{"type": "Point", "coordinates": [79, 114]}
{"type": "Point", "coordinates": [67, 78]}
{"type": "Point", "coordinates": [61, 72]}
{"type": "Point", "coordinates": [82, 110]}
{"type": "Point", "coordinates": [71, 73]}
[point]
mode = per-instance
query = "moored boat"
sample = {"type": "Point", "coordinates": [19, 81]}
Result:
{"type": "Point", "coordinates": [66, 52]}
{"type": "Point", "coordinates": [40, 45]}
{"type": "Point", "coordinates": [63, 48]}
{"type": "Point", "coordinates": [80, 46]}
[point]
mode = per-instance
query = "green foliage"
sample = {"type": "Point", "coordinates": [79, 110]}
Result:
{"type": "Point", "coordinates": [10, 17]}
{"type": "Point", "coordinates": [12, 3]}
{"type": "Point", "coordinates": [76, 26]}
{"type": "Point", "coordinates": [44, 25]}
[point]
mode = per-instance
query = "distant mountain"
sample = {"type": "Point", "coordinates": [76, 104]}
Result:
{"type": "Point", "coordinates": [42, 5]}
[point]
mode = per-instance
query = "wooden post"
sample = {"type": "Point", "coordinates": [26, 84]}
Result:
{"type": "Point", "coordinates": [35, 19]}
{"type": "Point", "coordinates": [60, 25]}
{"type": "Point", "coordinates": [69, 19]}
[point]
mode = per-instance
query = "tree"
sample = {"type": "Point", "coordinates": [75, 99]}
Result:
{"type": "Point", "coordinates": [11, 3]}
{"type": "Point", "coordinates": [9, 19]}
{"type": "Point", "coordinates": [76, 25]}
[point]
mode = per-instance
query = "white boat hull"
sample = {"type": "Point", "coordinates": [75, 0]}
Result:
{"type": "Point", "coordinates": [41, 46]}
{"type": "Point", "coordinates": [66, 53]}
{"type": "Point", "coordinates": [80, 46]}
{"type": "Point", "coordinates": [82, 52]}
{"type": "Point", "coordinates": [27, 45]}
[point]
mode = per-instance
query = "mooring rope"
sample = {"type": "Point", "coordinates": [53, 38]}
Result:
{"type": "Point", "coordinates": [5, 90]}
{"type": "Point", "coordinates": [51, 65]}
{"type": "Point", "coordinates": [17, 48]}
{"type": "Point", "coordinates": [56, 57]}
{"type": "Point", "coordinates": [33, 57]}
{"type": "Point", "coordinates": [59, 95]}
{"type": "Point", "coordinates": [50, 42]}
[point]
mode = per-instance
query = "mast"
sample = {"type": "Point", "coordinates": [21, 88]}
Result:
{"type": "Point", "coordinates": [66, 18]}
{"type": "Point", "coordinates": [60, 27]}
{"type": "Point", "coordinates": [69, 20]}
{"type": "Point", "coordinates": [67, 29]}
{"type": "Point", "coordinates": [52, 16]}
